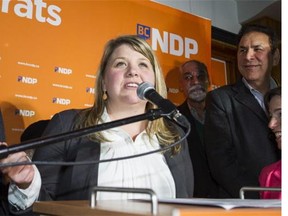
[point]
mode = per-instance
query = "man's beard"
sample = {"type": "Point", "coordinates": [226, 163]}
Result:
{"type": "Point", "coordinates": [197, 93]}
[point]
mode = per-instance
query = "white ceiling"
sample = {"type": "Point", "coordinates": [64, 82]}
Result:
{"type": "Point", "coordinates": [229, 15]}
{"type": "Point", "coordinates": [251, 10]}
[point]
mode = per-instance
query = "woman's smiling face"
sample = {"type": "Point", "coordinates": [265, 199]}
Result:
{"type": "Point", "coordinates": [275, 118]}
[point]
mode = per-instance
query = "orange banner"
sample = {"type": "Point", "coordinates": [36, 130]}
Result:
{"type": "Point", "coordinates": [218, 73]}
{"type": "Point", "coordinates": [49, 51]}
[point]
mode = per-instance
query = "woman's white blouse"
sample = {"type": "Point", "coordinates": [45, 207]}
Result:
{"type": "Point", "coordinates": [149, 171]}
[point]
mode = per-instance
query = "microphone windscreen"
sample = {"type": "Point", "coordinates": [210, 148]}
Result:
{"type": "Point", "coordinates": [143, 88]}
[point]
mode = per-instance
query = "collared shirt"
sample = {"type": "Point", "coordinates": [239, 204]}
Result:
{"type": "Point", "coordinates": [258, 95]}
{"type": "Point", "coordinates": [150, 171]}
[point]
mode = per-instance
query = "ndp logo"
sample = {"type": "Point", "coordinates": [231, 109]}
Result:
{"type": "Point", "coordinates": [27, 80]}
{"type": "Point", "coordinates": [25, 113]}
{"type": "Point", "coordinates": [61, 101]}
{"type": "Point", "coordinates": [61, 70]}
{"type": "Point", "coordinates": [168, 42]}
{"type": "Point", "coordinates": [90, 90]}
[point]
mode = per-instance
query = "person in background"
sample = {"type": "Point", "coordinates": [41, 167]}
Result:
{"type": "Point", "coordinates": [194, 83]}
{"type": "Point", "coordinates": [33, 131]}
{"type": "Point", "coordinates": [3, 194]}
{"type": "Point", "coordinates": [236, 134]}
{"type": "Point", "coordinates": [127, 61]}
{"type": "Point", "coordinates": [270, 175]}
{"type": "Point", "coordinates": [2, 129]}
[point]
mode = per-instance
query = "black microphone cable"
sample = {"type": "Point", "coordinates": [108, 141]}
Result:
{"type": "Point", "coordinates": [56, 163]}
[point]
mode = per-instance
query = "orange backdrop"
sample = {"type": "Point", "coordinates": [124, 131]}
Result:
{"type": "Point", "coordinates": [49, 51]}
{"type": "Point", "coordinates": [218, 73]}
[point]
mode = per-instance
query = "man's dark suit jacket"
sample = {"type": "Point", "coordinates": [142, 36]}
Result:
{"type": "Point", "coordinates": [204, 185]}
{"type": "Point", "coordinates": [75, 182]}
{"type": "Point", "coordinates": [237, 139]}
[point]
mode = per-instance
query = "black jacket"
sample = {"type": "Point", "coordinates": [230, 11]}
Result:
{"type": "Point", "coordinates": [237, 139]}
{"type": "Point", "coordinates": [75, 182]}
{"type": "Point", "coordinates": [204, 185]}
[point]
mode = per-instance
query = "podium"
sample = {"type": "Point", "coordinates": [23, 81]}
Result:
{"type": "Point", "coordinates": [141, 208]}
{"type": "Point", "coordinates": [170, 207]}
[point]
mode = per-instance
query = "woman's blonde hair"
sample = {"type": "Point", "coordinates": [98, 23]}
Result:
{"type": "Point", "coordinates": [89, 117]}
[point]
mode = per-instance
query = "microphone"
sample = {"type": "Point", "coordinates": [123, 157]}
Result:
{"type": "Point", "coordinates": [54, 139]}
{"type": "Point", "coordinates": [146, 91]}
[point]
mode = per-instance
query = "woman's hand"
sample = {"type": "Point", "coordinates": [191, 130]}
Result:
{"type": "Point", "coordinates": [21, 175]}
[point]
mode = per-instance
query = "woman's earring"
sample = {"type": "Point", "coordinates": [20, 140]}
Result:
{"type": "Point", "coordinates": [104, 96]}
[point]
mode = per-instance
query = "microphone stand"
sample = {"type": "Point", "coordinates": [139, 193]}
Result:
{"type": "Point", "coordinates": [151, 115]}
